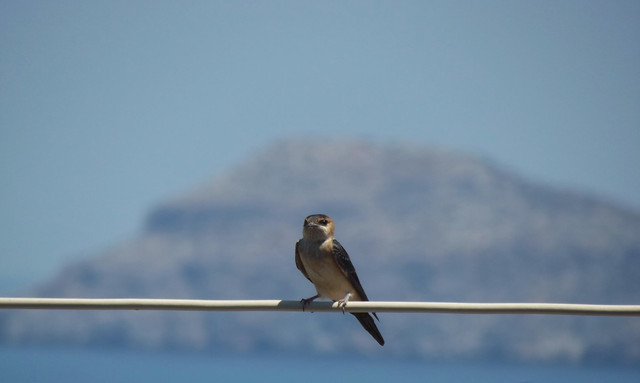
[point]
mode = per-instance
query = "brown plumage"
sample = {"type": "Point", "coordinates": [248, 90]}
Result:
{"type": "Point", "coordinates": [323, 260]}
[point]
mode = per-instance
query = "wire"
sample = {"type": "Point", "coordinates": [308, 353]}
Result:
{"type": "Point", "coordinates": [288, 305]}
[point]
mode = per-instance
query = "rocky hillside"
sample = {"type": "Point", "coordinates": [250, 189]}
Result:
{"type": "Point", "coordinates": [420, 224]}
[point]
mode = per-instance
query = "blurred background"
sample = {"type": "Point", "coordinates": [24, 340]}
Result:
{"type": "Point", "coordinates": [114, 116]}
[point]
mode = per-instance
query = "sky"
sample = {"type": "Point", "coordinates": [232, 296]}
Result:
{"type": "Point", "coordinates": [107, 108]}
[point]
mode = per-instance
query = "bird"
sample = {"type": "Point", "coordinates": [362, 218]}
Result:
{"type": "Point", "coordinates": [324, 262]}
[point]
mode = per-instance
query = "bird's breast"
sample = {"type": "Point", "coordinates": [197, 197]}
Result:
{"type": "Point", "coordinates": [319, 263]}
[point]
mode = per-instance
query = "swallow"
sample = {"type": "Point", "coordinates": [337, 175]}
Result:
{"type": "Point", "coordinates": [324, 262]}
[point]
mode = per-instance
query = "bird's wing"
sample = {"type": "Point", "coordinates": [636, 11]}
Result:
{"type": "Point", "coordinates": [299, 264]}
{"type": "Point", "coordinates": [344, 262]}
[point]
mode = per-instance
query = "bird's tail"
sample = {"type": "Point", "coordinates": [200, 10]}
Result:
{"type": "Point", "coordinates": [367, 322]}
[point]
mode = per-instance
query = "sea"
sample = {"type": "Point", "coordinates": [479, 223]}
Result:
{"type": "Point", "coordinates": [64, 365]}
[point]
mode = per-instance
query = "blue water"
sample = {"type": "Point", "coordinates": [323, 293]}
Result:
{"type": "Point", "coordinates": [20, 364]}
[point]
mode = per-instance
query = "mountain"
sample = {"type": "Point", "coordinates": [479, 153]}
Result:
{"type": "Point", "coordinates": [420, 225]}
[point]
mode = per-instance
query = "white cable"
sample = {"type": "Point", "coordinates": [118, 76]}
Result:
{"type": "Point", "coordinates": [288, 305]}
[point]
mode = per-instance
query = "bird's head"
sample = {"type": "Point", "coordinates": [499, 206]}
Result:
{"type": "Point", "coordinates": [318, 227]}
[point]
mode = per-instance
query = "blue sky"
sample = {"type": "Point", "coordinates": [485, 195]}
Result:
{"type": "Point", "coordinates": [107, 108]}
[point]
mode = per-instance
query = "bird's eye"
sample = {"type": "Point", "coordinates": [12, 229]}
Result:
{"type": "Point", "coordinates": [323, 221]}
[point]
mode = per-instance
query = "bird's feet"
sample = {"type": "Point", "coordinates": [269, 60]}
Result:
{"type": "Point", "coordinates": [305, 301]}
{"type": "Point", "coordinates": [342, 303]}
